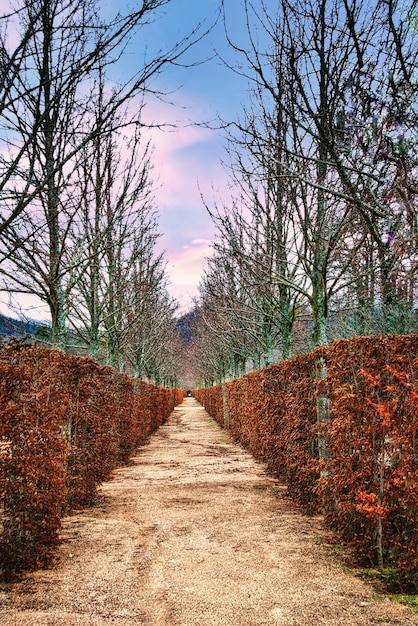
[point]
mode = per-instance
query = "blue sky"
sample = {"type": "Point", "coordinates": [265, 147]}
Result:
{"type": "Point", "coordinates": [188, 159]}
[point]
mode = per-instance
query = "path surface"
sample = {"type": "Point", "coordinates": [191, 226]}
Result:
{"type": "Point", "coordinates": [194, 533]}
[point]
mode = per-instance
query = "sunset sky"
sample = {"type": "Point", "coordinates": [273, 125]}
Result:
{"type": "Point", "coordinates": [188, 159]}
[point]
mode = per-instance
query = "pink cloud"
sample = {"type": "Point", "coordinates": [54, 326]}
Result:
{"type": "Point", "coordinates": [186, 270]}
{"type": "Point", "coordinates": [186, 155]}
{"type": "Point", "coordinates": [187, 164]}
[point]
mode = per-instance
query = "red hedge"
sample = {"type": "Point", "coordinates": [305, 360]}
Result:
{"type": "Point", "coordinates": [367, 484]}
{"type": "Point", "coordinates": [65, 424]}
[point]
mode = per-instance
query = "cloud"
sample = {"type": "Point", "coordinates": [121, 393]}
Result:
{"type": "Point", "coordinates": [200, 242]}
{"type": "Point", "coordinates": [186, 270]}
{"type": "Point", "coordinates": [187, 164]}
{"type": "Point", "coordinates": [186, 157]}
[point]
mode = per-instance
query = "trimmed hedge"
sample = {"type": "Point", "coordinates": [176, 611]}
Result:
{"type": "Point", "coordinates": [65, 424]}
{"type": "Point", "coordinates": [366, 482]}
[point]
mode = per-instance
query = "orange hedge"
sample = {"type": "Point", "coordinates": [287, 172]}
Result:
{"type": "Point", "coordinates": [65, 424]}
{"type": "Point", "coordinates": [367, 481]}
{"type": "Point", "coordinates": [371, 488]}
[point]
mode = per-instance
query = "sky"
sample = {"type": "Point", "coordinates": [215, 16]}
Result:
{"type": "Point", "coordinates": [187, 157]}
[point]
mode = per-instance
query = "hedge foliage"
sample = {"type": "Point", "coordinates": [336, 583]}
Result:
{"type": "Point", "coordinates": [359, 465]}
{"type": "Point", "coordinates": [65, 424]}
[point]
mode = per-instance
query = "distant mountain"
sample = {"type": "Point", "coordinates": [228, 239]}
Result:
{"type": "Point", "coordinates": [18, 328]}
{"type": "Point", "coordinates": [185, 326]}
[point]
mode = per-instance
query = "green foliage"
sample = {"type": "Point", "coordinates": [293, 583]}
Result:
{"type": "Point", "coordinates": [389, 580]}
{"type": "Point", "coordinates": [43, 333]}
{"type": "Point", "coordinates": [409, 600]}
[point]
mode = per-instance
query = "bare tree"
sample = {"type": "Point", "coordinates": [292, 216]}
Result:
{"type": "Point", "coordinates": [116, 229]}
{"type": "Point", "coordinates": [48, 125]}
{"type": "Point", "coordinates": [330, 158]}
{"type": "Point", "coordinates": [375, 152]}
{"type": "Point", "coordinates": [261, 233]}
{"type": "Point", "coordinates": [132, 319]}
{"type": "Point", "coordinates": [214, 345]}
{"type": "Point", "coordinates": [154, 345]}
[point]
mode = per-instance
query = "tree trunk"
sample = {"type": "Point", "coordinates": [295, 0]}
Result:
{"type": "Point", "coordinates": [268, 344]}
{"type": "Point", "coordinates": [225, 405]}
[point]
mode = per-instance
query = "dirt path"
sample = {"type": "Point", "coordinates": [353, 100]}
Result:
{"type": "Point", "coordinates": [194, 533]}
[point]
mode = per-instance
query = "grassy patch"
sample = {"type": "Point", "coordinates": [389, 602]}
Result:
{"type": "Point", "coordinates": [409, 600]}
{"type": "Point", "coordinates": [335, 547]}
{"type": "Point", "coordinates": [390, 581]}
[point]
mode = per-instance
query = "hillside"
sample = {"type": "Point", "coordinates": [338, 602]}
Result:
{"type": "Point", "coordinates": [17, 328]}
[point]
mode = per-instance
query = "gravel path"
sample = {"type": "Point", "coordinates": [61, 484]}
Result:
{"type": "Point", "coordinates": [194, 532]}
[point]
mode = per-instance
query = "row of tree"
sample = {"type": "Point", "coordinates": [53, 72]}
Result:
{"type": "Point", "coordinates": [320, 237]}
{"type": "Point", "coordinates": [77, 223]}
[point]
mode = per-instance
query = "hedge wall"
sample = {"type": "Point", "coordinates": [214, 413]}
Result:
{"type": "Point", "coordinates": [366, 482]}
{"type": "Point", "coordinates": [65, 424]}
